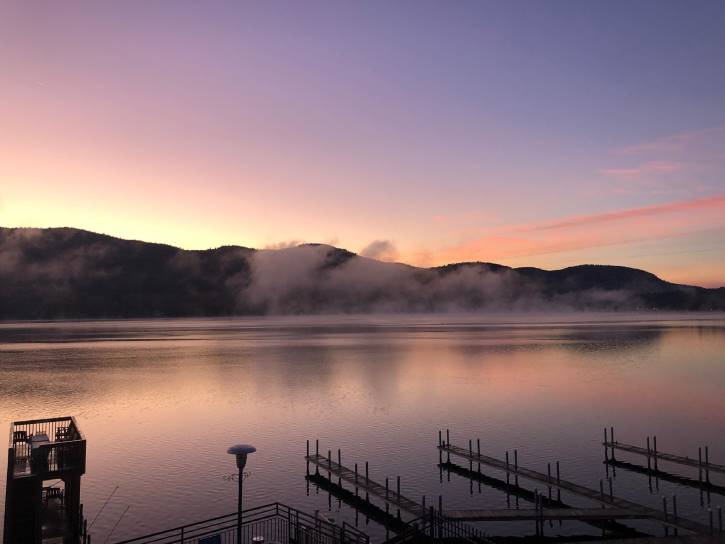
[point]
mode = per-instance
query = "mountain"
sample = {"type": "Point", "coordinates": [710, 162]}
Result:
{"type": "Point", "coordinates": [71, 273]}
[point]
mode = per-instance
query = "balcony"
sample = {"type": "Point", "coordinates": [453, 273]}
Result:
{"type": "Point", "coordinates": [47, 448]}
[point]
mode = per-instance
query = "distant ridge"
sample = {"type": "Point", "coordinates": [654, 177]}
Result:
{"type": "Point", "coordinates": [70, 273]}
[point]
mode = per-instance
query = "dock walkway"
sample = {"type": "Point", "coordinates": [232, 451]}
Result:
{"type": "Point", "coordinates": [366, 484]}
{"type": "Point", "coordinates": [576, 489]}
{"type": "Point", "coordinates": [662, 456]}
{"type": "Point", "coordinates": [528, 514]}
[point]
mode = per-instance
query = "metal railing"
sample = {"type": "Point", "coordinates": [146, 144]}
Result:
{"type": "Point", "coordinates": [65, 450]}
{"type": "Point", "coordinates": [274, 522]}
{"type": "Point", "coordinates": [432, 527]}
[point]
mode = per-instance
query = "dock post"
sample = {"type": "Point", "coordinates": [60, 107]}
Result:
{"type": "Point", "coordinates": [386, 488]}
{"type": "Point", "coordinates": [601, 488]}
{"type": "Point", "coordinates": [674, 512]}
{"type": "Point", "coordinates": [329, 465]}
{"type": "Point", "coordinates": [470, 455]}
{"type": "Point", "coordinates": [507, 468]}
{"type": "Point", "coordinates": [367, 481]}
{"type": "Point", "coordinates": [654, 440]}
{"type": "Point", "coordinates": [558, 489]}
{"type": "Point", "coordinates": [606, 448]}
{"type": "Point", "coordinates": [707, 465]}
{"type": "Point", "coordinates": [611, 437]}
{"type": "Point", "coordinates": [664, 510]}
{"type": "Point", "coordinates": [611, 494]}
{"type": "Point", "coordinates": [356, 479]}
{"type": "Point", "coordinates": [448, 443]}
{"type": "Point", "coordinates": [398, 497]}
{"type": "Point", "coordinates": [308, 458]}
{"type": "Point", "coordinates": [649, 463]}
{"type": "Point", "coordinates": [516, 467]}
{"type": "Point", "coordinates": [699, 465]}
{"type": "Point", "coordinates": [440, 451]}
{"type": "Point", "coordinates": [339, 467]}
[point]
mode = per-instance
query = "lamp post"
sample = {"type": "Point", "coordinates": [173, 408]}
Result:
{"type": "Point", "coordinates": [240, 451]}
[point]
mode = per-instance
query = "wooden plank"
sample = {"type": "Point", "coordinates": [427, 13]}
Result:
{"type": "Point", "coordinates": [571, 487]}
{"type": "Point", "coordinates": [662, 456]}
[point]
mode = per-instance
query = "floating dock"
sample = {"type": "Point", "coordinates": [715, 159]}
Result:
{"type": "Point", "coordinates": [599, 496]}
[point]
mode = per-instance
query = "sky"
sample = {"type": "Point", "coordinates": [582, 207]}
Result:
{"type": "Point", "coordinates": [542, 134]}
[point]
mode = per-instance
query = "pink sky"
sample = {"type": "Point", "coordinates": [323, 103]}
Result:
{"type": "Point", "coordinates": [478, 133]}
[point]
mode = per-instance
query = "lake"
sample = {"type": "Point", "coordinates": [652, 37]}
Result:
{"type": "Point", "coordinates": [161, 400]}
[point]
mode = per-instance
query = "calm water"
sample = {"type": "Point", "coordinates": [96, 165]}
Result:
{"type": "Point", "coordinates": [161, 400]}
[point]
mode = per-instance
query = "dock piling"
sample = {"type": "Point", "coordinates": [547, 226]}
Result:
{"type": "Point", "coordinates": [654, 440]}
{"type": "Point", "coordinates": [664, 511]}
{"type": "Point", "coordinates": [558, 481]}
{"type": "Point", "coordinates": [448, 443]}
{"type": "Point", "coordinates": [548, 472]}
{"type": "Point", "coordinates": [470, 455]}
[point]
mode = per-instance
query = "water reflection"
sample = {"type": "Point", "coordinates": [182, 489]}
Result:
{"type": "Point", "coordinates": [161, 400]}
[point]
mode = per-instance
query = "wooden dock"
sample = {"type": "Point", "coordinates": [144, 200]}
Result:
{"type": "Point", "coordinates": [545, 514]}
{"type": "Point", "coordinates": [611, 526]}
{"type": "Point", "coordinates": [594, 495]}
{"type": "Point", "coordinates": [369, 510]}
{"type": "Point", "coordinates": [652, 453]}
{"type": "Point", "coordinates": [659, 474]}
{"type": "Point", "coordinates": [363, 482]}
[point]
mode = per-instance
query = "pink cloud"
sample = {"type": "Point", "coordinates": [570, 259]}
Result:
{"type": "Point", "coordinates": [649, 167]}
{"type": "Point", "coordinates": [587, 231]}
{"type": "Point", "coordinates": [711, 202]}
{"type": "Point", "coordinates": [673, 142]}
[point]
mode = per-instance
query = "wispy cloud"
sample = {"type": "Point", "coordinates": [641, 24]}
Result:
{"type": "Point", "coordinates": [582, 232]}
{"type": "Point", "coordinates": [649, 167]}
{"type": "Point", "coordinates": [711, 202]}
{"type": "Point", "coordinates": [672, 142]}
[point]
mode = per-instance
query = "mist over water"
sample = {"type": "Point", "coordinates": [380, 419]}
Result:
{"type": "Point", "coordinates": [160, 401]}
